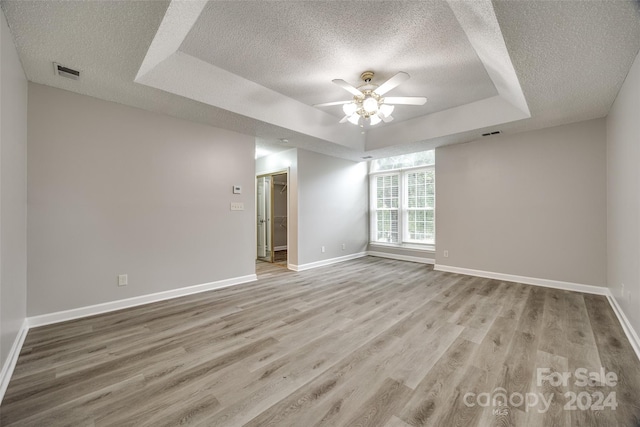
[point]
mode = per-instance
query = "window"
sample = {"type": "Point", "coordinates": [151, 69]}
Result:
{"type": "Point", "coordinates": [403, 199]}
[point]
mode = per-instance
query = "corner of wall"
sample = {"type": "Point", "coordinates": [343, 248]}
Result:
{"type": "Point", "coordinates": [623, 201]}
{"type": "Point", "coordinates": [13, 204]}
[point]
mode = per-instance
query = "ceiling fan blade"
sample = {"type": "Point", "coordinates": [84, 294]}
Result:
{"type": "Point", "coordinates": [405, 100]}
{"type": "Point", "coordinates": [344, 119]}
{"type": "Point", "coordinates": [346, 86]}
{"type": "Point", "coordinates": [328, 104]}
{"type": "Point", "coordinates": [392, 82]}
{"type": "Point", "coordinates": [387, 119]}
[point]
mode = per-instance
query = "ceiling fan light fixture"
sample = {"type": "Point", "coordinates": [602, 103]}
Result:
{"type": "Point", "coordinates": [386, 110]}
{"type": "Point", "coordinates": [370, 105]}
{"type": "Point", "coordinates": [349, 108]}
{"type": "Point", "coordinates": [355, 118]}
{"type": "Point", "coordinates": [368, 102]}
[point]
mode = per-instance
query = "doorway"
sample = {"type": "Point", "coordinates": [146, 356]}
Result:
{"type": "Point", "coordinates": [272, 204]}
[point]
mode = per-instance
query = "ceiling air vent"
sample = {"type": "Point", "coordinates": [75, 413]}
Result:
{"type": "Point", "coordinates": [63, 71]}
{"type": "Point", "coordinates": [497, 132]}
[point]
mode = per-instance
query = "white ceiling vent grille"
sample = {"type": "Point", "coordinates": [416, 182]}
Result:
{"type": "Point", "coordinates": [63, 71]}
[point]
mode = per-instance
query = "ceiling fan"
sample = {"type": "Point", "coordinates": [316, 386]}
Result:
{"type": "Point", "coordinates": [368, 102]}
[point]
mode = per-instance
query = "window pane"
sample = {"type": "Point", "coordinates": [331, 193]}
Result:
{"type": "Point", "coordinates": [424, 158]}
{"type": "Point", "coordinates": [418, 188]}
{"type": "Point", "coordinates": [431, 201]}
{"type": "Point", "coordinates": [387, 191]}
{"type": "Point", "coordinates": [420, 226]}
{"type": "Point", "coordinates": [420, 194]}
{"type": "Point", "coordinates": [387, 226]}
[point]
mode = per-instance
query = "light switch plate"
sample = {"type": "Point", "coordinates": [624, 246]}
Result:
{"type": "Point", "coordinates": [123, 280]}
{"type": "Point", "coordinates": [237, 206]}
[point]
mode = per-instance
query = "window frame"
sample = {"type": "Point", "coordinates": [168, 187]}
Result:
{"type": "Point", "coordinates": [403, 209]}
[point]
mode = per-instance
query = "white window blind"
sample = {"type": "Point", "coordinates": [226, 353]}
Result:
{"type": "Point", "coordinates": [403, 200]}
{"type": "Point", "coordinates": [419, 212]}
{"type": "Point", "coordinates": [387, 206]}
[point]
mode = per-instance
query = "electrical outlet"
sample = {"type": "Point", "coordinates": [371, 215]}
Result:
{"type": "Point", "coordinates": [123, 280]}
{"type": "Point", "coordinates": [344, 246]}
{"type": "Point", "coordinates": [446, 254]}
{"type": "Point", "coordinates": [322, 249]}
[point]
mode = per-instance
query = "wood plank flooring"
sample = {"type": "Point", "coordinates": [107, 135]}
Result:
{"type": "Point", "coordinates": [368, 342]}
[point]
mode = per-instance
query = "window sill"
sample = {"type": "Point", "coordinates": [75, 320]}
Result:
{"type": "Point", "coordinates": [411, 246]}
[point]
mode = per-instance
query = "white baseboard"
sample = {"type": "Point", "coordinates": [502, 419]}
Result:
{"type": "Point", "coordinates": [12, 358]}
{"type": "Point", "coordinates": [280, 248]}
{"type": "Point", "coordinates": [62, 316]}
{"type": "Point", "coordinates": [324, 262]}
{"type": "Point", "coordinates": [631, 333]}
{"type": "Point", "coordinates": [555, 284]}
{"type": "Point", "coordinates": [409, 258]}
{"type": "Point", "coordinates": [9, 365]}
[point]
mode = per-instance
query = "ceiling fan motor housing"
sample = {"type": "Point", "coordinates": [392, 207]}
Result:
{"type": "Point", "coordinates": [366, 76]}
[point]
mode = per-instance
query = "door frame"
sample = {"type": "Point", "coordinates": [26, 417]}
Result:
{"type": "Point", "coordinates": [255, 222]}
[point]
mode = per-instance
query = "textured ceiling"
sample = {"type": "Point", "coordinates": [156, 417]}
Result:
{"type": "Point", "coordinates": [571, 56]}
{"type": "Point", "coordinates": [542, 63]}
{"type": "Point", "coordinates": [277, 45]}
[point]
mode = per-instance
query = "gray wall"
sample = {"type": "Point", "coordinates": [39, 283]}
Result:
{"type": "Point", "coordinates": [13, 192]}
{"type": "Point", "coordinates": [117, 190]}
{"type": "Point", "coordinates": [333, 208]}
{"type": "Point", "coordinates": [327, 204]}
{"type": "Point", "coordinates": [531, 204]}
{"type": "Point", "coordinates": [284, 160]}
{"type": "Point", "coordinates": [623, 196]}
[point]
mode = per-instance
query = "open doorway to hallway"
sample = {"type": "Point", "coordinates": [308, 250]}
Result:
{"type": "Point", "coordinates": [272, 204]}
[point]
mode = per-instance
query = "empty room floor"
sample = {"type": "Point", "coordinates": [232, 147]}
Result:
{"type": "Point", "coordinates": [370, 342]}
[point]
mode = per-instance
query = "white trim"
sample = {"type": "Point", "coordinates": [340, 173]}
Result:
{"type": "Point", "coordinates": [421, 247]}
{"type": "Point", "coordinates": [324, 262]}
{"type": "Point", "coordinates": [556, 284]}
{"type": "Point", "coordinates": [631, 333]}
{"type": "Point", "coordinates": [12, 358]}
{"type": "Point", "coordinates": [409, 258]}
{"type": "Point", "coordinates": [280, 248]}
{"type": "Point", "coordinates": [62, 316]}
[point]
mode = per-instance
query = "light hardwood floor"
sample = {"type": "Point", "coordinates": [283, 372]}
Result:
{"type": "Point", "coordinates": [369, 342]}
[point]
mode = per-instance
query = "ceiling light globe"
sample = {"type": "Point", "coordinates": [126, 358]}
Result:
{"type": "Point", "coordinates": [349, 108]}
{"type": "Point", "coordinates": [386, 110]}
{"type": "Point", "coordinates": [354, 119]}
{"type": "Point", "coordinates": [370, 105]}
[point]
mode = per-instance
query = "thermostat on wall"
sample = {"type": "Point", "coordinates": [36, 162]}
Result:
{"type": "Point", "coordinates": [237, 189]}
